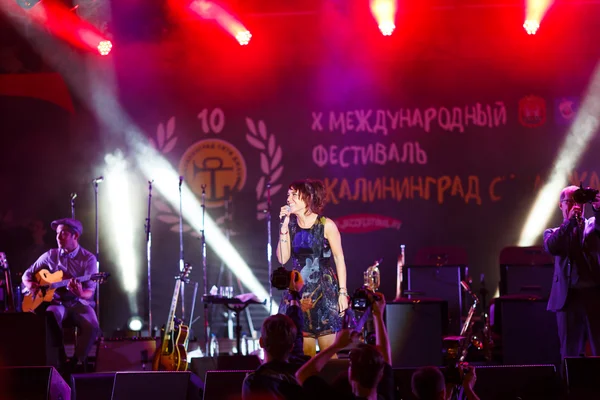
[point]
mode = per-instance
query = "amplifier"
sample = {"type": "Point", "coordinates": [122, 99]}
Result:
{"type": "Point", "coordinates": [526, 279]}
{"type": "Point", "coordinates": [416, 329]}
{"type": "Point", "coordinates": [443, 282]}
{"type": "Point", "coordinates": [526, 270]}
{"type": "Point", "coordinates": [529, 333]}
{"type": "Point", "coordinates": [134, 354]}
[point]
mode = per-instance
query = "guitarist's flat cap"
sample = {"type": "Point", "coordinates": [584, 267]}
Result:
{"type": "Point", "coordinates": [72, 223]}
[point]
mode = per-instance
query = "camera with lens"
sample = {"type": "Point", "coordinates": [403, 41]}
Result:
{"type": "Point", "coordinates": [281, 278]}
{"type": "Point", "coordinates": [453, 373]}
{"type": "Point", "coordinates": [584, 195]}
{"type": "Point", "coordinates": [362, 299]}
{"type": "Point", "coordinates": [453, 349]}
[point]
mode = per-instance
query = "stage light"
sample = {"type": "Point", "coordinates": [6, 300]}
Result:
{"type": "Point", "coordinates": [531, 26]}
{"type": "Point", "coordinates": [243, 37]}
{"type": "Point", "coordinates": [387, 28]}
{"type": "Point", "coordinates": [535, 10]}
{"type": "Point", "coordinates": [384, 12]}
{"type": "Point", "coordinates": [135, 324]}
{"type": "Point", "coordinates": [230, 23]}
{"type": "Point", "coordinates": [104, 47]}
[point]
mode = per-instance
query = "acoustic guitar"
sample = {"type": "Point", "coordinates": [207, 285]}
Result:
{"type": "Point", "coordinates": [172, 353]}
{"type": "Point", "coordinates": [48, 283]}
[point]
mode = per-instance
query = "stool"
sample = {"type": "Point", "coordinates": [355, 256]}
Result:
{"type": "Point", "coordinates": [70, 334]}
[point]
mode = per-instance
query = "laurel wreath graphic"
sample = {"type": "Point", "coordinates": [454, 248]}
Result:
{"type": "Point", "coordinates": [270, 160]}
{"type": "Point", "coordinates": [165, 139]}
{"type": "Point", "coordinates": [165, 142]}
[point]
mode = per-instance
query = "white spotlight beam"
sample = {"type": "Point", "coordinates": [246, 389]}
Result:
{"type": "Point", "coordinates": [156, 167]}
{"type": "Point", "coordinates": [581, 132]}
{"type": "Point", "coordinates": [166, 179]}
{"type": "Point", "coordinates": [121, 214]}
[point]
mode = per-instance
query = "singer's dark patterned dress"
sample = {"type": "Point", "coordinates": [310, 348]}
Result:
{"type": "Point", "coordinates": [311, 256]}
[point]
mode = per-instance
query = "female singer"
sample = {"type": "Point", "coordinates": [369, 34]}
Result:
{"type": "Point", "coordinates": [311, 239]}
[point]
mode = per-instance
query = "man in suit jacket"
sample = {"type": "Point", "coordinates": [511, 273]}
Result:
{"type": "Point", "coordinates": [575, 294]}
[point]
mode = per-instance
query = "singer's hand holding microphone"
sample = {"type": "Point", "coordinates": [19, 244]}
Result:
{"type": "Point", "coordinates": [284, 219]}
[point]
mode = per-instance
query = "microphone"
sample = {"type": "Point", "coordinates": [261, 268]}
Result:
{"type": "Point", "coordinates": [283, 218]}
{"type": "Point", "coordinates": [98, 179]}
{"type": "Point", "coordinates": [73, 196]}
{"type": "Point", "coordinates": [180, 181]}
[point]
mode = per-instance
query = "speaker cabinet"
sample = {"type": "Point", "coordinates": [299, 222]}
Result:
{"type": "Point", "coordinates": [582, 377]}
{"type": "Point", "coordinates": [33, 383]}
{"type": "Point", "coordinates": [503, 382]}
{"type": "Point", "coordinates": [427, 281]}
{"type": "Point", "coordinates": [28, 339]}
{"type": "Point", "coordinates": [415, 329]}
{"type": "Point", "coordinates": [201, 365]}
{"type": "Point", "coordinates": [526, 279]}
{"type": "Point", "coordinates": [156, 385]}
{"type": "Point", "coordinates": [529, 333]}
{"type": "Point", "coordinates": [526, 271]}
{"type": "Point", "coordinates": [95, 386]}
{"type": "Point", "coordinates": [224, 385]}
{"type": "Point", "coordinates": [524, 382]}
{"type": "Point", "coordinates": [126, 354]}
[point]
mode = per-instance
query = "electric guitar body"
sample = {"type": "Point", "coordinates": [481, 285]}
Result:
{"type": "Point", "coordinates": [173, 355]}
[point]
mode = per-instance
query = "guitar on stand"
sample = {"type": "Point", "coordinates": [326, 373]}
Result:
{"type": "Point", "coordinates": [9, 298]}
{"type": "Point", "coordinates": [172, 353]}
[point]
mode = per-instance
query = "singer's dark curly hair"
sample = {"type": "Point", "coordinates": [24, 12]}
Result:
{"type": "Point", "coordinates": [312, 192]}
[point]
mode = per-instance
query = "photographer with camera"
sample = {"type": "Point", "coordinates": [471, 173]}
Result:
{"type": "Point", "coordinates": [575, 293]}
{"type": "Point", "coordinates": [281, 338]}
{"type": "Point", "coordinates": [370, 372]}
{"type": "Point", "coordinates": [428, 383]}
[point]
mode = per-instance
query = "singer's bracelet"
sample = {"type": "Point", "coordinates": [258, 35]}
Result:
{"type": "Point", "coordinates": [343, 293]}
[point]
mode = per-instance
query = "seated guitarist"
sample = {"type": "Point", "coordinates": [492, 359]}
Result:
{"type": "Point", "coordinates": [74, 302]}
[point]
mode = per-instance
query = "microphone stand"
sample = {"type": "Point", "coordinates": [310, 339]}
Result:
{"type": "Point", "coordinates": [204, 279]}
{"type": "Point", "coordinates": [97, 292]}
{"type": "Point", "coordinates": [149, 260]}
{"type": "Point", "coordinates": [73, 197]}
{"type": "Point", "coordinates": [228, 219]}
{"type": "Point", "coordinates": [269, 246]}
{"type": "Point", "coordinates": [181, 261]}
{"type": "Point", "coordinates": [228, 278]}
